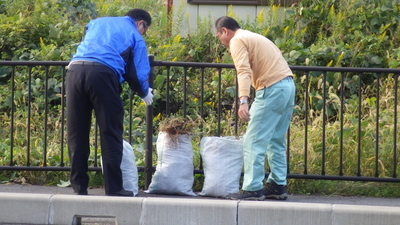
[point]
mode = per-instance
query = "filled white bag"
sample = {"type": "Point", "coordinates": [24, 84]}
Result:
{"type": "Point", "coordinates": [174, 170]}
{"type": "Point", "coordinates": [128, 168]}
{"type": "Point", "coordinates": [223, 162]}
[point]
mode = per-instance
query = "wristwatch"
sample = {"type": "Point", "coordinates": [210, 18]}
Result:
{"type": "Point", "coordinates": [243, 102]}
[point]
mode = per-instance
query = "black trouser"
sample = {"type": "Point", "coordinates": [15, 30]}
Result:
{"type": "Point", "coordinates": [94, 86]}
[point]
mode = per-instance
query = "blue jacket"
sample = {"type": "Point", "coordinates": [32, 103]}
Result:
{"type": "Point", "coordinates": [116, 43]}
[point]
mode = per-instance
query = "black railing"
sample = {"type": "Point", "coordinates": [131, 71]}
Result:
{"type": "Point", "coordinates": [345, 124]}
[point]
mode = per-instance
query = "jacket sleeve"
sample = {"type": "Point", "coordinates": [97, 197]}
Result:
{"type": "Point", "coordinates": [137, 70]}
{"type": "Point", "coordinates": [240, 56]}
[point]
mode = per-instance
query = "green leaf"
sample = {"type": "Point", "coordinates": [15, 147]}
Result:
{"type": "Point", "coordinates": [294, 54]}
{"type": "Point", "coordinates": [64, 183]}
{"type": "Point", "coordinates": [231, 91]}
{"type": "Point", "coordinates": [376, 60]}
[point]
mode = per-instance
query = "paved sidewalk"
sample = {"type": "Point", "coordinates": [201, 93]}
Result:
{"type": "Point", "coordinates": [347, 200]}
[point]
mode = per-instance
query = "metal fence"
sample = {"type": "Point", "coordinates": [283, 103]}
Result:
{"type": "Point", "coordinates": [345, 124]}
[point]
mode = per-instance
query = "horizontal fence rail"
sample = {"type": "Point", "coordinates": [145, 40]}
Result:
{"type": "Point", "coordinates": [345, 124]}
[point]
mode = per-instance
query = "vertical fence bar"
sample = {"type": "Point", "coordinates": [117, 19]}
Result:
{"type": "Point", "coordinates": [396, 102]}
{"type": "Point", "coordinates": [324, 112]}
{"type": "Point", "coordinates": [236, 103]}
{"type": "Point", "coordinates": [167, 107]}
{"type": "Point", "coordinates": [202, 109]}
{"type": "Point", "coordinates": [341, 123]}
{"type": "Point", "coordinates": [202, 95]}
{"type": "Point", "coordinates": [378, 81]}
{"type": "Point", "coordinates": [130, 116]}
{"type": "Point", "coordinates": [96, 141]}
{"type": "Point", "coordinates": [28, 127]}
{"type": "Point", "coordinates": [148, 170]}
{"type": "Point", "coordinates": [288, 151]}
{"type": "Point", "coordinates": [219, 101]}
{"type": "Point", "coordinates": [46, 112]}
{"type": "Point", "coordinates": [360, 76]}
{"type": "Point", "coordinates": [184, 91]}
{"type": "Point", "coordinates": [12, 116]}
{"type": "Point", "coordinates": [62, 114]}
{"type": "Point", "coordinates": [306, 105]}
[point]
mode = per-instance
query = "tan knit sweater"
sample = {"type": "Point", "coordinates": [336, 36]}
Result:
{"type": "Point", "coordinates": [258, 61]}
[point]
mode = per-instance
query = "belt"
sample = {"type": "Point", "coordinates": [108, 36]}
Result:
{"type": "Point", "coordinates": [288, 78]}
{"type": "Point", "coordinates": [85, 63]}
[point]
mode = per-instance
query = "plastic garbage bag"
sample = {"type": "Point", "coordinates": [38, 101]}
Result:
{"type": "Point", "coordinates": [223, 162]}
{"type": "Point", "coordinates": [174, 170]}
{"type": "Point", "coordinates": [128, 168]}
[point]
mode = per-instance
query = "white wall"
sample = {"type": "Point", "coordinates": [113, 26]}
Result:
{"type": "Point", "coordinates": [191, 13]}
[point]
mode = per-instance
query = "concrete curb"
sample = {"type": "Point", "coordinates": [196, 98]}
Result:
{"type": "Point", "coordinates": [273, 213]}
{"type": "Point", "coordinates": [24, 208]}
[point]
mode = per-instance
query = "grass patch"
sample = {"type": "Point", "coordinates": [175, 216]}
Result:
{"type": "Point", "coordinates": [46, 178]}
{"type": "Point", "coordinates": [343, 188]}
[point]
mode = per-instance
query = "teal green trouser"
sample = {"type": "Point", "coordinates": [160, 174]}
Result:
{"type": "Point", "coordinates": [270, 116]}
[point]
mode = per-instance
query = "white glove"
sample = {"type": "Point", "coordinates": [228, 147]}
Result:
{"type": "Point", "coordinates": [149, 97]}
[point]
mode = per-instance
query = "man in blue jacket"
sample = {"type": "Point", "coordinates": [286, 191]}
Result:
{"type": "Point", "coordinates": [112, 51]}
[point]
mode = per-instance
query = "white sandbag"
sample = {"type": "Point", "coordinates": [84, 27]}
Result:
{"type": "Point", "coordinates": [174, 170]}
{"type": "Point", "coordinates": [223, 162]}
{"type": "Point", "coordinates": [129, 169]}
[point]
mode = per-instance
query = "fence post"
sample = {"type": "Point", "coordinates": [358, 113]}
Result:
{"type": "Point", "coordinates": [148, 170]}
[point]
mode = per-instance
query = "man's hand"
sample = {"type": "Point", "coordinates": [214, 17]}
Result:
{"type": "Point", "coordinates": [244, 112]}
{"type": "Point", "coordinates": [149, 97]}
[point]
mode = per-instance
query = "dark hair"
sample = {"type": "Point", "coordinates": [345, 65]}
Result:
{"type": "Point", "coordinates": [139, 14]}
{"type": "Point", "coordinates": [227, 22]}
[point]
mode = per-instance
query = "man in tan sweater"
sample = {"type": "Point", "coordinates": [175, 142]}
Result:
{"type": "Point", "coordinates": [260, 64]}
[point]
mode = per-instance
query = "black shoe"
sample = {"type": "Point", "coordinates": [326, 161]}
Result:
{"type": "Point", "coordinates": [248, 195]}
{"type": "Point", "coordinates": [274, 191]}
{"type": "Point", "coordinates": [81, 193]}
{"type": "Point", "coordinates": [123, 192]}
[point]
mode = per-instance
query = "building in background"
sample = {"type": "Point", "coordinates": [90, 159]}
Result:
{"type": "Point", "coordinates": [190, 11]}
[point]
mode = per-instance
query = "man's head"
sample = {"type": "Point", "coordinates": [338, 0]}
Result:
{"type": "Point", "coordinates": [142, 19]}
{"type": "Point", "coordinates": [225, 28]}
